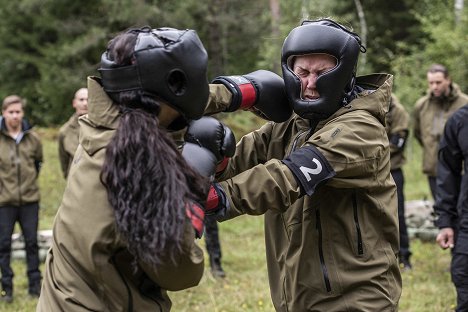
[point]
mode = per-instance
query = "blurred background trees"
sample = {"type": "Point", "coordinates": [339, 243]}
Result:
{"type": "Point", "coordinates": [49, 47]}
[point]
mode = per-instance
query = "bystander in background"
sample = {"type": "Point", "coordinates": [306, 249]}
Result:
{"type": "Point", "coordinates": [69, 132]}
{"type": "Point", "coordinates": [431, 112]}
{"type": "Point", "coordinates": [20, 162]}
{"type": "Point", "coordinates": [397, 121]}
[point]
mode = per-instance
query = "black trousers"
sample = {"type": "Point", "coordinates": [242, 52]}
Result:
{"type": "Point", "coordinates": [399, 179]}
{"type": "Point", "coordinates": [212, 238]}
{"type": "Point", "coordinates": [28, 218]}
{"type": "Point", "coordinates": [459, 272]}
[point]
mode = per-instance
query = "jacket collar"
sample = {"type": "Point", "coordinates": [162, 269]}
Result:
{"type": "Point", "coordinates": [101, 110]}
{"type": "Point", "coordinates": [375, 98]}
{"type": "Point", "coordinates": [102, 115]}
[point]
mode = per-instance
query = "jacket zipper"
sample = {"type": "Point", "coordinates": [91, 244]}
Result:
{"type": "Point", "coordinates": [322, 260]}
{"type": "Point", "coordinates": [358, 227]}
{"type": "Point", "coordinates": [17, 162]}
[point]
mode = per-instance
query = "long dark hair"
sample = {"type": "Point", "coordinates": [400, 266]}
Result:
{"type": "Point", "coordinates": [148, 182]}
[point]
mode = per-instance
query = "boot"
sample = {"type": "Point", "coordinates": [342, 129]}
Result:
{"type": "Point", "coordinates": [405, 264]}
{"type": "Point", "coordinates": [35, 289]}
{"type": "Point", "coordinates": [6, 295]}
{"type": "Point", "coordinates": [216, 268]}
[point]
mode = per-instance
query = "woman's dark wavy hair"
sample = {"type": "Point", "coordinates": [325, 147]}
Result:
{"type": "Point", "coordinates": [148, 182]}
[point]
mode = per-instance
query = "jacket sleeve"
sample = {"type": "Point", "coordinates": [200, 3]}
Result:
{"type": "Point", "coordinates": [38, 156]}
{"type": "Point", "coordinates": [64, 158]}
{"type": "Point", "coordinates": [417, 124]}
{"type": "Point", "coordinates": [185, 272]}
{"type": "Point", "coordinates": [449, 169]}
{"type": "Point", "coordinates": [357, 149]}
{"type": "Point", "coordinates": [273, 186]}
{"type": "Point", "coordinates": [251, 150]}
{"type": "Point", "coordinates": [219, 99]}
{"type": "Point", "coordinates": [398, 133]}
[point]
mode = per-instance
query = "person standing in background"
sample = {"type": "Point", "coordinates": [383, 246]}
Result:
{"type": "Point", "coordinates": [451, 205]}
{"type": "Point", "coordinates": [431, 112]}
{"type": "Point", "coordinates": [69, 132]}
{"type": "Point", "coordinates": [397, 121]}
{"type": "Point", "coordinates": [20, 162]}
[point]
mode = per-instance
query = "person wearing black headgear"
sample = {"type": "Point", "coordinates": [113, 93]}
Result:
{"type": "Point", "coordinates": [134, 203]}
{"type": "Point", "coordinates": [321, 178]}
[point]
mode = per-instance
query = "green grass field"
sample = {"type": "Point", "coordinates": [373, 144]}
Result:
{"type": "Point", "coordinates": [426, 288]}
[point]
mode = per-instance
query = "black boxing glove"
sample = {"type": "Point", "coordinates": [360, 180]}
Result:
{"type": "Point", "coordinates": [213, 135]}
{"type": "Point", "coordinates": [261, 92]}
{"type": "Point", "coordinates": [200, 159]}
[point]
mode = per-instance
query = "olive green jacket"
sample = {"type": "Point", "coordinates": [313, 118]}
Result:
{"type": "Point", "coordinates": [429, 117]}
{"type": "Point", "coordinates": [397, 125]}
{"type": "Point", "coordinates": [67, 143]}
{"type": "Point", "coordinates": [19, 167]}
{"type": "Point", "coordinates": [88, 267]}
{"type": "Point", "coordinates": [335, 250]}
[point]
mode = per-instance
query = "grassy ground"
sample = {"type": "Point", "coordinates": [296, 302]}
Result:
{"type": "Point", "coordinates": [427, 288]}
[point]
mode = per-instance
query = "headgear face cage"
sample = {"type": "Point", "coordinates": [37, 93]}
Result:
{"type": "Point", "coordinates": [325, 37]}
{"type": "Point", "coordinates": [168, 63]}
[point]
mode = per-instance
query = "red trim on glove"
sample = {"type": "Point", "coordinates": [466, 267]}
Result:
{"type": "Point", "coordinates": [249, 95]}
{"type": "Point", "coordinates": [213, 199]}
{"type": "Point", "coordinates": [196, 214]}
{"type": "Point", "coordinates": [222, 165]}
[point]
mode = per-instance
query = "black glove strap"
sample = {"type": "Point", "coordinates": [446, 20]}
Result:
{"type": "Point", "coordinates": [310, 168]}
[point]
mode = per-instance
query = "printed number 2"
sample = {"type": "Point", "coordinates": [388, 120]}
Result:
{"type": "Point", "coordinates": [308, 171]}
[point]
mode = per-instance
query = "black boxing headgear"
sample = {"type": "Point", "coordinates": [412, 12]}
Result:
{"type": "Point", "coordinates": [170, 64]}
{"type": "Point", "coordinates": [334, 86]}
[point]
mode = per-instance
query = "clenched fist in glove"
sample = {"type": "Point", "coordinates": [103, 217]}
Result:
{"type": "Point", "coordinates": [208, 145]}
{"type": "Point", "coordinates": [261, 92]}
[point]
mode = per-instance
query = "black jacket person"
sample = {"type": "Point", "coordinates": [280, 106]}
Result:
{"type": "Point", "coordinates": [451, 204]}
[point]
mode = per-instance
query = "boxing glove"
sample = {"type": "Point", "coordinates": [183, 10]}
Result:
{"type": "Point", "coordinates": [216, 203]}
{"type": "Point", "coordinates": [200, 159]}
{"type": "Point", "coordinates": [213, 135]}
{"type": "Point", "coordinates": [261, 92]}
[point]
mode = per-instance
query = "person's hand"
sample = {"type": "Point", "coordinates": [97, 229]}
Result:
{"type": "Point", "coordinates": [445, 238]}
{"type": "Point", "coordinates": [261, 92]}
{"type": "Point", "coordinates": [212, 135]}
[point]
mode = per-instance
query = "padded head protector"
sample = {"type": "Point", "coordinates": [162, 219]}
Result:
{"type": "Point", "coordinates": [334, 86]}
{"type": "Point", "coordinates": [168, 63]}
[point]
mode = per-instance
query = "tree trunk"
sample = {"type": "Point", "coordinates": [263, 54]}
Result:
{"type": "Point", "coordinates": [363, 34]}
{"type": "Point", "coordinates": [275, 30]}
{"type": "Point", "coordinates": [458, 11]}
{"type": "Point", "coordinates": [216, 43]}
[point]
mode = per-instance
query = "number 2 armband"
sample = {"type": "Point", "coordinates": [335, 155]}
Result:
{"type": "Point", "coordinates": [309, 167]}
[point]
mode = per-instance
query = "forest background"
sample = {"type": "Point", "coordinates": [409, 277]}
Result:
{"type": "Point", "coordinates": [49, 47]}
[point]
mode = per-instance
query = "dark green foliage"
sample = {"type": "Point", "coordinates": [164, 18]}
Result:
{"type": "Point", "coordinates": [446, 43]}
{"type": "Point", "coordinates": [389, 23]}
{"type": "Point", "coordinates": [49, 47]}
